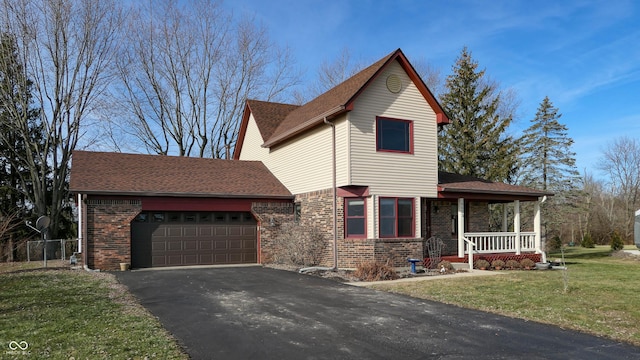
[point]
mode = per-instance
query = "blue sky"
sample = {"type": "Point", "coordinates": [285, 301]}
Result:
{"type": "Point", "coordinates": [584, 55]}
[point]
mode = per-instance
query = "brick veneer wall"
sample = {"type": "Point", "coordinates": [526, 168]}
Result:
{"type": "Point", "coordinates": [317, 210]}
{"type": "Point", "coordinates": [441, 226]}
{"type": "Point", "coordinates": [109, 232]}
{"type": "Point", "coordinates": [266, 212]}
{"type": "Point", "coordinates": [478, 217]}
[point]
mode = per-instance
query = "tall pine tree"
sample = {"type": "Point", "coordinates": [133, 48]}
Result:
{"type": "Point", "coordinates": [547, 160]}
{"type": "Point", "coordinates": [547, 163]}
{"type": "Point", "coordinates": [475, 143]}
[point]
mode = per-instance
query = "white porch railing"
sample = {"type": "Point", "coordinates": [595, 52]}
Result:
{"type": "Point", "coordinates": [500, 242]}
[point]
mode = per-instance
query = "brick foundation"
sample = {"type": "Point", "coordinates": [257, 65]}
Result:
{"type": "Point", "coordinates": [109, 232]}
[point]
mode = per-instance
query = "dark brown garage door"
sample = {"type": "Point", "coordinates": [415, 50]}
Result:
{"type": "Point", "coordinates": [193, 238]}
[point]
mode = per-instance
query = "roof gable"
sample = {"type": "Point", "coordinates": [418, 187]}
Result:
{"type": "Point", "coordinates": [159, 175]}
{"type": "Point", "coordinates": [332, 103]}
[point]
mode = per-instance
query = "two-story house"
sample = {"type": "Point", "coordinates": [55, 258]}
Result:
{"type": "Point", "coordinates": [358, 162]}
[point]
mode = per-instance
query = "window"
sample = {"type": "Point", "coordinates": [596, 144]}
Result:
{"type": "Point", "coordinates": [396, 217]}
{"type": "Point", "coordinates": [355, 220]}
{"type": "Point", "coordinates": [394, 135]}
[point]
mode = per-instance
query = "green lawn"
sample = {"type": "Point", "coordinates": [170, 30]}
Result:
{"type": "Point", "coordinates": [65, 314]}
{"type": "Point", "coordinates": [602, 296]}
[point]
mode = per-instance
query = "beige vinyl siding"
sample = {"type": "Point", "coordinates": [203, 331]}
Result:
{"type": "Point", "coordinates": [251, 148]}
{"type": "Point", "coordinates": [393, 174]}
{"type": "Point", "coordinates": [304, 163]}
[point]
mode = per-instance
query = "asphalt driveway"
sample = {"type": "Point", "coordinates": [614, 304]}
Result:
{"type": "Point", "coordinates": [259, 313]}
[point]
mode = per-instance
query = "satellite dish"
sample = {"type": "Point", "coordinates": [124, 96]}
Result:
{"type": "Point", "coordinates": [43, 222]}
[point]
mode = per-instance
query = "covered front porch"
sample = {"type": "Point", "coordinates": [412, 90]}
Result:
{"type": "Point", "coordinates": [461, 217]}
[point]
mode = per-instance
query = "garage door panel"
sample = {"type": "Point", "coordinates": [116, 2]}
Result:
{"type": "Point", "coordinates": [220, 231]}
{"type": "Point", "coordinates": [205, 231]}
{"type": "Point", "coordinates": [174, 245]}
{"type": "Point", "coordinates": [235, 244]}
{"type": "Point", "coordinates": [190, 231]}
{"type": "Point", "coordinates": [187, 239]}
{"type": "Point", "coordinates": [249, 231]}
{"type": "Point", "coordinates": [191, 259]}
{"type": "Point", "coordinates": [235, 231]}
{"type": "Point", "coordinates": [221, 244]}
{"type": "Point", "coordinates": [158, 246]}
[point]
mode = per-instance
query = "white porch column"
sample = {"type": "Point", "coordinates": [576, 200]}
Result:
{"type": "Point", "coordinates": [505, 218]}
{"type": "Point", "coordinates": [461, 228]}
{"type": "Point", "coordinates": [516, 224]}
{"type": "Point", "coordinates": [537, 228]}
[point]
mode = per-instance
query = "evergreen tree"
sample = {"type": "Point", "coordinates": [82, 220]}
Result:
{"type": "Point", "coordinates": [475, 143]}
{"type": "Point", "coordinates": [547, 163]}
{"type": "Point", "coordinates": [547, 160]}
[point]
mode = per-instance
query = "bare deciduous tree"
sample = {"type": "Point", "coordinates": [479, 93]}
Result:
{"type": "Point", "coordinates": [67, 48]}
{"type": "Point", "coordinates": [621, 162]}
{"type": "Point", "coordinates": [186, 71]}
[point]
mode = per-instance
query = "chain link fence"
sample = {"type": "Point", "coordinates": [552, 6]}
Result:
{"type": "Point", "coordinates": [58, 249]}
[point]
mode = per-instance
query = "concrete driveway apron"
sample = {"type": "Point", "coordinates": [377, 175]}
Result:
{"type": "Point", "coordinates": [260, 313]}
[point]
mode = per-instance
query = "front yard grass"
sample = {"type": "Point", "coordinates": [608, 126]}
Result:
{"type": "Point", "coordinates": [73, 314]}
{"type": "Point", "coordinates": [602, 295]}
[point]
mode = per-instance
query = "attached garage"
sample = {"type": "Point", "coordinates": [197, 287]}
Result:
{"type": "Point", "coordinates": [193, 238]}
{"type": "Point", "coordinates": [159, 211]}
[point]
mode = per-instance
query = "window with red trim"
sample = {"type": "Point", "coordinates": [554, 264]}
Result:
{"type": "Point", "coordinates": [355, 220]}
{"type": "Point", "coordinates": [394, 135]}
{"type": "Point", "coordinates": [396, 217]}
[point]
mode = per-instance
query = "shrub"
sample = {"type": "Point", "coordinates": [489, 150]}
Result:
{"type": "Point", "coordinates": [375, 271]}
{"type": "Point", "coordinates": [513, 264]}
{"type": "Point", "coordinates": [587, 241]}
{"type": "Point", "coordinates": [497, 263]}
{"type": "Point", "coordinates": [482, 264]}
{"type": "Point", "coordinates": [616, 242]}
{"type": "Point", "coordinates": [298, 245]}
{"type": "Point", "coordinates": [527, 263]}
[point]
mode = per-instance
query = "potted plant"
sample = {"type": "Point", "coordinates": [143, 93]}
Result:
{"type": "Point", "coordinates": [497, 264]}
{"type": "Point", "coordinates": [512, 264]}
{"type": "Point", "coordinates": [482, 264]}
{"type": "Point", "coordinates": [527, 264]}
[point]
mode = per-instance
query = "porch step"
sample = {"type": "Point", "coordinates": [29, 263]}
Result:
{"type": "Point", "coordinates": [460, 265]}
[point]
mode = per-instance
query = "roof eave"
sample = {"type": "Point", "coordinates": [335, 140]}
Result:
{"type": "Point", "coordinates": [496, 192]}
{"type": "Point", "coordinates": [174, 194]}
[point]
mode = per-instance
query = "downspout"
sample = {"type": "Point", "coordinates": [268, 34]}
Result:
{"type": "Point", "coordinates": [335, 195]}
{"type": "Point", "coordinates": [82, 231]}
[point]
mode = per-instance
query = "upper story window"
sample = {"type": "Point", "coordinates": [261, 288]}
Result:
{"type": "Point", "coordinates": [394, 135]}
{"type": "Point", "coordinates": [396, 217]}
